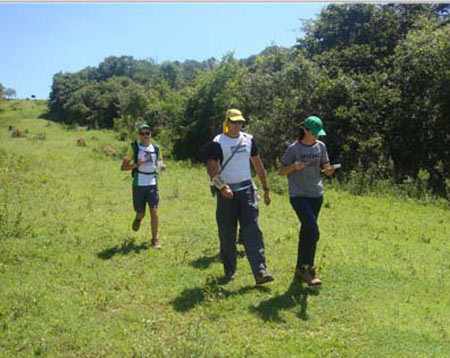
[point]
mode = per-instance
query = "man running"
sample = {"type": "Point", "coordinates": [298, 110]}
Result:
{"type": "Point", "coordinates": [144, 159]}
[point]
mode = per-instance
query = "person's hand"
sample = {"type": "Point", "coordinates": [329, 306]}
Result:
{"type": "Point", "coordinates": [162, 166]}
{"type": "Point", "coordinates": [267, 199]}
{"type": "Point", "coordinates": [299, 166]}
{"type": "Point", "coordinates": [141, 161]}
{"type": "Point", "coordinates": [329, 171]}
{"type": "Point", "coordinates": [226, 192]}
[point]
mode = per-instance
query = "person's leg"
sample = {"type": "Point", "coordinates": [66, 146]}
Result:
{"type": "Point", "coordinates": [226, 217]}
{"type": "Point", "coordinates": [252, 235]}
{"type": "Point", "coordinates": [306, 210]}
{"type": "Point", "coordinates": [154, 226]}
{"type": "Point", "coordinates": [316, 204]}
{"type": "Point", "coordinates": [154, 222]}
{"type": "Point", "coordinates": [139, 203]}
{"type": "Point", "coordinates": [153, 201]}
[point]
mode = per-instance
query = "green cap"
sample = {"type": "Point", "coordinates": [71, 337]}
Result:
{"type": "Point", "coordinates": [143, 125]}
{"type": "Point", "coordinates": [314, 124]}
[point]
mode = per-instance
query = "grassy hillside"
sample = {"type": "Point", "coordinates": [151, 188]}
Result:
{"type": "Point", "coordinates": [76, 281]}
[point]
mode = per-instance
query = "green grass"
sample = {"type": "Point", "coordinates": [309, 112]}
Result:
{"type": "Point", "coordinates": [76, 281]}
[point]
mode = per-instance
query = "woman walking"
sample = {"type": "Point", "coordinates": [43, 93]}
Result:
{"type": "Point", "coordinates": [303, 162]}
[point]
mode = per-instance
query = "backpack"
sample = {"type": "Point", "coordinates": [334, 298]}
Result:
{"type": "Point", "coordinates": [135, 147]}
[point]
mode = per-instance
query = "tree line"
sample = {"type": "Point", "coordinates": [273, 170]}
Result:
{"type": "Point", "coordinates": [378, 75]}
{"type": "Point", "coordinates": [7, 92]}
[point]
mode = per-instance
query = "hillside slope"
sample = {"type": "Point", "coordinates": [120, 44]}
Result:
{"type": "Point", "coordinates": [76, 281]}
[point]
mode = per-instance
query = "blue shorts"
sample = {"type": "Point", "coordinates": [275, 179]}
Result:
{"type": "Point", "coordinates": [143, 195]}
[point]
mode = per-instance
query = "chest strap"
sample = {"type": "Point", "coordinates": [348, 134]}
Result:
{"type": "Point", "coordinates": [151, 173]}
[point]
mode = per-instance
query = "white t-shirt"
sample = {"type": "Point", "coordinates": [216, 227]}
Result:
{"type": "Point", "coordinates": [150, 166]}
{"type": "Point", "coordinates": [238, 168]}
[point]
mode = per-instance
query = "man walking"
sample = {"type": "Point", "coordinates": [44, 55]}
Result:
{"type": "Point", "coordinates": [229, 156]}
{"type": "Point", "coordinates": [144, 159]}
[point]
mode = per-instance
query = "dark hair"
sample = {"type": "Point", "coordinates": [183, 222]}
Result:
{"type": "Point", "coordinates": [301, 132]}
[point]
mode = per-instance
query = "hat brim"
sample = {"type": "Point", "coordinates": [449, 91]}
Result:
{"type": "Point", "coordinates": [143, 126]}
{"type": "Point", "coordinates": [319, 133]}
{"type": "Point", "coordinates": [236, 119]}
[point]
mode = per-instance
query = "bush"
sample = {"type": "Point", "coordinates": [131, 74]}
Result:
{"type": "Point", "coordinates": [12, 225]}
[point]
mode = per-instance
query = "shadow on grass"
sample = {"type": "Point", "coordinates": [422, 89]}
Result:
{"type": "Point", "coordinates": [124, 248]}
{"type": "Point", "coordinates": [212, 291]}
{"type": "Point", "coordinates": [296, 295]}
{"type": "Point", "coordinates": [204, 262]}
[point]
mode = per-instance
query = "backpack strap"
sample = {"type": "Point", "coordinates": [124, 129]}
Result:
{"type": "Point", "coordinates": [135, 148]}
{"type": "Point", "coordinates": [241, 139]}
{"type": "Point", "coordinates": [156, 152]}
{"type": "Point", "coordinates": [156, 162]}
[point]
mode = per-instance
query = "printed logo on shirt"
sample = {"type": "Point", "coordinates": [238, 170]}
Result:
{"type": "Point", "coordinates": [148, 156]}
{"type": "Point", "coordinates": [241, 149]}
{"type": "Point", "coordinates": [310, 159]}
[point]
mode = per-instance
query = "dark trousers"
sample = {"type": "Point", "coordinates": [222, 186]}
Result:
{"type": "Point", "coordinates": [243, 207]}
{"type": "Point", "coordinates": [307, 210]}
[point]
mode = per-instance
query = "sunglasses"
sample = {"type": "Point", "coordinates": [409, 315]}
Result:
{"type": "Point", "coordinates": [144, 133]}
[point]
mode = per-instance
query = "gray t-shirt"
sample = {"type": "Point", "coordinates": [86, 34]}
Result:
{"type": "Point", "coordinates": [306, 182]}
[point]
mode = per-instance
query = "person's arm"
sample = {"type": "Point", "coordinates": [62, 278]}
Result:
{"type": "Point", "coordinates": [128, 163]}
{"type": "Point", "coordinates": [328, 169]}
{"type": "Point", "coordinates": [325, 162]}
{"type": "Point", "coordinates": [161, 163]}
{"type": "Point", "coordinates": [212, 167]}
{"type": "Point", "coordinates": [288, 169]}
{"type": "Point", "coordinates": [289, 163]}
{"type": "Point", "coordinates": [261, 172]}
{"type": "Point", "coordinates": [214, 154]}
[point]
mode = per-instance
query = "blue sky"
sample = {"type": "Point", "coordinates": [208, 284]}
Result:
{"type": "Point", "coordinates": [38, 40]}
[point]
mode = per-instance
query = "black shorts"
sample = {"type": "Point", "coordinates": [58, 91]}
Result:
{"type": "Point", "coordinates": [143, 195]}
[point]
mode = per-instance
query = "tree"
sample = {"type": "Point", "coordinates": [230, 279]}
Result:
{"type": "Point", "coordinates": [63, 86]}
{"type": "Point", "coordinates": [419, 132]}
{"type": "Point", "coordinates": [215, 91]}
{"type": "Point", "coordinates": [9, 93]}
{"type": "Point", "coordinates": [116, 66]}
{"type": "Point", "coordinates": [361, 38]}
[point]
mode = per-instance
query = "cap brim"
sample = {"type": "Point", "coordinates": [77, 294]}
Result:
{"type": "Point", "coordinates": [237, 119]}
{"type": "Point", "coordinates": [321, 133]}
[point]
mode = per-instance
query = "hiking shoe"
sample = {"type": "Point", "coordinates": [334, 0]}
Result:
{"type": "Point", "coordinates": [263, 278]}
{"type": "Point", "coordinates": [229, 276]}
{"type": "Point", "coordinates": [136, 225]}
{"type": "Point", "coordinates": [308, 274]}
{"type": "Point", "coordinates": [155, 244]}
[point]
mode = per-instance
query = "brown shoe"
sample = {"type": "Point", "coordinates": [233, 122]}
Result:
{"type": "Point", "coordinates": [308, 274]}
{"type": "Point", "coordinates": [155, 244]}
{"type": "Point", "coordinates": [315, 280]}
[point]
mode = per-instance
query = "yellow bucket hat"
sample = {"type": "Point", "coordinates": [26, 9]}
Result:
{"type": "Point", "coordinates": [234, 115]}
